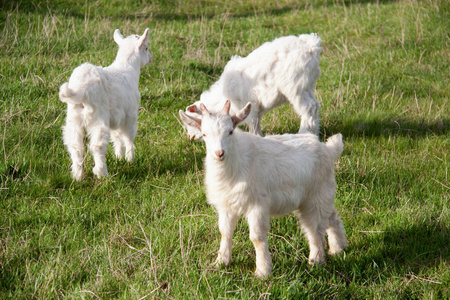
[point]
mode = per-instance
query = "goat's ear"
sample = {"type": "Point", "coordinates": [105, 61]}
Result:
{"type": "Point", "coordinates": [193, 109]}
{"type": "Point", "coordinates": [226, 107]}
{"type": "Point", "coordinates": [190, 121]}
{"type": "Point", "coordinates": [143, 39]}
{"type": "Point", "coordinates": [118, 37]}
{"type": "Point", "coordinates": [241, 115]}
{"type": "Point", "coordinates": [205, 112]}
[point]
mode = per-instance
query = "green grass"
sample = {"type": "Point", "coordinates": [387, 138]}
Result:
{"type": "Point", "coordinates": [146, 231]}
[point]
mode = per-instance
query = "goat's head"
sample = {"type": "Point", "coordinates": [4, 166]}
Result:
{"type": "Point", "coordinates": [133, 47]}
{"type": "Point", "coordinates": [216, 129]}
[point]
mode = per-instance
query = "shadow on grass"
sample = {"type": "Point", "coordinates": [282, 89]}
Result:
{"type": "Point", "coordinates": [386, 127]}
{"type": "Point", "coordinates": [371, 128]}
{"type": "Point", "coordinates": [164, 11]}
{"type": "Point", "coordinates": [243, 12]}
{"type": "Point", "coordinates": [396, 251]}
{"type": "Point", "coordinates": [169, 10]}
{"type": "Point", "coordinates": [419, 246]}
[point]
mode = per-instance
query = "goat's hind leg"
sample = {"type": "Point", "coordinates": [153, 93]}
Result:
{"type": "Point", "coordinates": [99, 135]}
{"type": "Point", "coordinates": [259, 224]}
{"type": "Point", "coordinates": [119, 147]}
{"type": "Point", "coordinates": [337, 240]}
{"type": "Point", "coordinates": [128, 135]}
{"type": "Point", "coordinates": [227, 224]}
{"type": "Point", "coordinates": [308, 107]}
{"type": "Point", "coordinates": [73, 136]}
{"type": "Point", "coordinates": [314, 226]}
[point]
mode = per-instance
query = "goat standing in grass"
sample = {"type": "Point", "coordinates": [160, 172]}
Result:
{"type": "Point", "coordinates": [262, 177]}
{"type": "Point", "coordinates": [103, 101]}
{"type": "Point", "coordinates": [284, 70]}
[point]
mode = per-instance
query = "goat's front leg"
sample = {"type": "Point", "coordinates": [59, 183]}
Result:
{"type": "Point", "coordinates": [259, 224]}
{"type": "Point", "coordinates": [255, 126]}
{"type": "Point", "coordinates": [227, 224]}
{"type": "Point", "coordinates": [254, 121]}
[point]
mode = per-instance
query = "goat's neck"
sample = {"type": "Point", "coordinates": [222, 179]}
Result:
{"type": "Point", "coordinates": [130, 61]}
{"type": "Point", "coordinates": [228, 169]}
{"type": "Point", "coordinates": [131, 67]}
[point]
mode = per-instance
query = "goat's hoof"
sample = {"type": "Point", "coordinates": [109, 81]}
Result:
{"type": "Point", "coordinates": [314, 262]}
{"type": "Point", "coordinates": [78, 176]}
{"type": "Point", "coordinates": [77, 172]}
{"type": "Point", "coordinates": [262, 273]}
{"type": "Point", "coordinates": [100, 172]}
{"type": "Point", "coordinates": [129, 156]}
{"type": "Point", "coordinates": [221, 261]}
{"type": "Point", "coordinates": [263, 270]}
{"type": "Point", "coordinates": [335, 251]}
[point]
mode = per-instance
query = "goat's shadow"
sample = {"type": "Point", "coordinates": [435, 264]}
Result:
{"type": "Point", "coordinates": [399, 249]}
{"type": "Point", "coordinates": [401, 253]}
{"type": "Point", "coordinates": [370, 128]}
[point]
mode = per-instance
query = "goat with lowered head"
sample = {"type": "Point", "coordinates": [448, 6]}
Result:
{"type": "Point", "coordinates": [105, 102]}
{"type": "Point", "coordinates": [281, 71]}
{"type": "Point", "coordinates": [272, 176]}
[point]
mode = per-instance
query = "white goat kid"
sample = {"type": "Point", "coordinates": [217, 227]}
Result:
{"type": "Point", "coordinates": [284, 70]}
{"type": "Point", "coordinates": [262, 177]}
{"type": "Point", "coordinates": [103, 101]}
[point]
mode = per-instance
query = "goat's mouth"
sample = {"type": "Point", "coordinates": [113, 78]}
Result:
{"type": "Point", "coordinates": [150, 60]}
{"type": "Point", "coordinates": [220, 157]}
{"type": "Point", "coordinates": [195, 137]}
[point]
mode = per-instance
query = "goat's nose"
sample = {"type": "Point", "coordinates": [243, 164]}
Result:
{"type": "Point", "coordinates": [219, 154]}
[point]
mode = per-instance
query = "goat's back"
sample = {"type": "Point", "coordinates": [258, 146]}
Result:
{"type": "Point", "coordinates": [287, 57]}
{"type": "Point", "coordinates": [270, 75]}
{"type": "Point", "coordinates": [106, 93]}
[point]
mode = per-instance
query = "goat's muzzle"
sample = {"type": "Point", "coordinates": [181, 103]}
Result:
{"type": "Point", "coordinates": [220, 155]}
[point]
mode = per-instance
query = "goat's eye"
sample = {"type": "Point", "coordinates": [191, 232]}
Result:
{"type": "Point", "coordinates": [231, 132]}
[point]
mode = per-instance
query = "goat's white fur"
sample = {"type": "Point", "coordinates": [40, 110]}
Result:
{"type": "Point", "coordinates": [284, 70]}
{"type": "Point", "coordinates": [272, 176]}
{"type": "Point", "coordinates": [103, 101]}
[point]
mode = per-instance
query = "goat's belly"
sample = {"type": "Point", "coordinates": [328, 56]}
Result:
{"type": "Point", "coordinates": [240, 199]}
{"type": "Point", "coordinates": [284, 202]}
{"type": "Point", "coordinates": [123, 115]}
{"type": "Point", "coordinates": [117, 119]}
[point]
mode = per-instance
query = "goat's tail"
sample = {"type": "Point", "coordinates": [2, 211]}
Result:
{"type": "Point", "coordinates": [335, 145]}
{"type": "Point", "coordinates": [312, 41]}
{"type": "Point", "coordinates": [68, 95]}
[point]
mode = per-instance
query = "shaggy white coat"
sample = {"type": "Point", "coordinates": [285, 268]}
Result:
{"type": "Point", "coordinates": [104, 102]}
{"type": "Point", "coordinates": [284, 70]}
{"type": "Point", "coordinates": [262, 177]}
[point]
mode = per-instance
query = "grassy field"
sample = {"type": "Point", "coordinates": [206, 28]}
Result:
{"type": "Point", "coordinates": [146, 231]}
